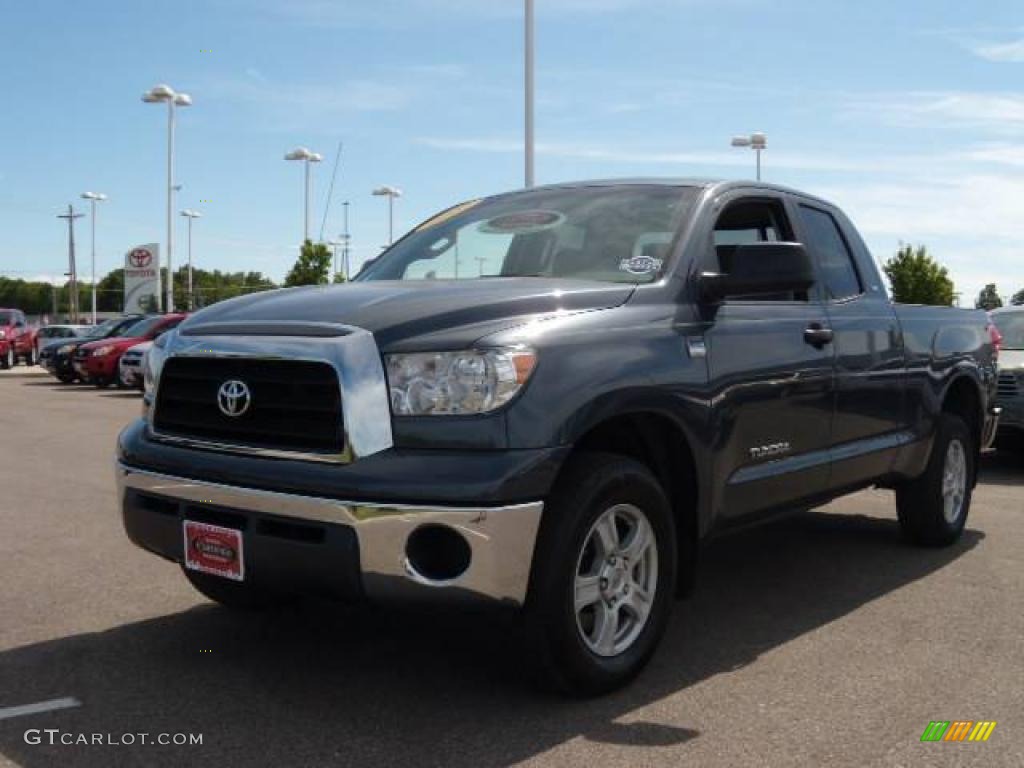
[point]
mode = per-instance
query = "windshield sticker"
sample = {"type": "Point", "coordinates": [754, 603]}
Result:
{"type": "Point", "coordinates": [640, 265]}
{"type": "Point", "coordinates": [522, 223]}
{"type": "Point", "coordinates": [444, 216]}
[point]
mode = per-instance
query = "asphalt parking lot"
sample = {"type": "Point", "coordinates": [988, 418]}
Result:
{"type": "Point", "coordinates": [820, 640]}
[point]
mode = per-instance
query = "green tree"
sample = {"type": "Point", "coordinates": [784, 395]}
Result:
{"type": "Point", "coordinates": [988, 299]}
{"type": "Point", "coordinates": [312, 267]}
{"type": "Point", "coordinates": [916, 278]}
{"type": "Point", "coordinates": [1018, 298]}
{"type": "Point", "coordinates": [339, 278]}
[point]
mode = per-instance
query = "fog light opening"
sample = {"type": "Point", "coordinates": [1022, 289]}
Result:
{"type": "Point", "coordinates": [437, 553]}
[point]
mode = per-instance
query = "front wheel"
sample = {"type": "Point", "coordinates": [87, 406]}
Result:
{"type": "Point", "coordinates": [603, 579]}
{"type": "Point", "coordinates": [8, 360]}
{"type": "Point", "coordinates": [933, 508]}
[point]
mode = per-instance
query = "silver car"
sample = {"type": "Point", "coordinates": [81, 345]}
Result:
{"type": "Point", "coordinates": [1010, 322]}
{"type": "Point", "coordinates": [130, 366]}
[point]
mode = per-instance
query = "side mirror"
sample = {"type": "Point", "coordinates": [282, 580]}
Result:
{"type": "Point", "coordinates": [757, 269]}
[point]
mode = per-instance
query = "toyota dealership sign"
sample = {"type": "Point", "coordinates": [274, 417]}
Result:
{"type": "Point", "coordinates": [142, 279]}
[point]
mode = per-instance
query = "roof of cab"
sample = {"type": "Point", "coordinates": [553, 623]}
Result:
{"type": "Point", "coordinates": [713, 186]}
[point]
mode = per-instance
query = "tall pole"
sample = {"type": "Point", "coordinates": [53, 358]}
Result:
{"type": "Point", "coordinates": [391, 219]}
{"type": "Point", "coordinates": [758, 164]}
{"type": "Point", "coordinates": [93, 261]}
{"type": "Point", "coordinates": [305, 222]}
{"type": "Point", "coordinates": [528, 35]}
{"type": "Point", "coordinates": [344, 253]}
{"type": "Point", "coordinates": [191, 301]}
{"type": "Point", "coordinates": [72, 270]}
{"type": "Point", "coordinates": [169, 300]}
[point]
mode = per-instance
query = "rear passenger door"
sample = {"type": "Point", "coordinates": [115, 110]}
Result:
{"type": "Point", "coordinates": [868, 426]}
{"type": "Point", "coordinates": [771, 387]}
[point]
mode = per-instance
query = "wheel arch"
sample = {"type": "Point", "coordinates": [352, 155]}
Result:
{"type": "Point", "coordinates": [659, 439]}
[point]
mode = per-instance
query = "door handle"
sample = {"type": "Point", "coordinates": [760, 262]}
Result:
{"type": "Point", "coordinates": [818, 336]}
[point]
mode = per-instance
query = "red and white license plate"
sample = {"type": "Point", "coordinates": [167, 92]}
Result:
{"type": "Point", "coordinates": [213, 549]}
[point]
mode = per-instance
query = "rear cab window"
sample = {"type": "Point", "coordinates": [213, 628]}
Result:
{"type": "Point", "coordinates": [834, 259]}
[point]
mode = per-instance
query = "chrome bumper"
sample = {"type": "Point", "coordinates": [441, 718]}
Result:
{"type": "Point", "coordinates": [501, 539]}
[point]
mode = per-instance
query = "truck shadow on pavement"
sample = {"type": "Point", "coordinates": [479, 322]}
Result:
{"type": "Point", "coordinates": [318, 685]}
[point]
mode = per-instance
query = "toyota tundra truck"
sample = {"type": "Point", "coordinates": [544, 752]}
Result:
{"type": "Point", "coordinates": [547, 400]}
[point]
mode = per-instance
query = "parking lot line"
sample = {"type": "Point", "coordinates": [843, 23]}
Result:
{"type": "Point", "coordinates": [41, 706]}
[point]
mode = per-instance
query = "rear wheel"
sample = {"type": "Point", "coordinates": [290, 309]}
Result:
{"type": "Point", "coordinates": [603, 578]}
{"type": "Point", "coordinates": [933, 508]}
{"type": "Point", "coordinates": [8, 360]}
{"type": "Point", "coordinates": [238, 595]}
{"type": "Point", "coordinates": [66, 378]}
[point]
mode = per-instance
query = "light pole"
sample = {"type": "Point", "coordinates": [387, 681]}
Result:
{"type": "Point", "coordinates": [390, 193]}
{"type": "Point", "coordinates": [528, 88]}
{"type": "Point", "coordinates": [93, 198]}
{"type": "Point", "coordinates": [155, 95]}
{"type": "Point", "coordinates": [757, 142]}
{"type": "Point", "coordinates": [334, 243]}
{"type": "Point", "coordinates": [307, 157]}
{"type": "Point", "coordinates": [347, 238]}
{"type": "Point", "coordinates": [189, 214]}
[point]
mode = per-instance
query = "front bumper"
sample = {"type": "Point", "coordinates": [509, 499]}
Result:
{"type": "Point", "coordinates": [346, 549]}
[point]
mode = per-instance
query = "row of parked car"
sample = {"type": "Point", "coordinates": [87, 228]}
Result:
{"type": "Point", "coordinates": [110, 353]}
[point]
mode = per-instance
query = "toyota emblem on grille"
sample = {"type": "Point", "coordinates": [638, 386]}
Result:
{"type": "Point", "coordinates": [233, 398]}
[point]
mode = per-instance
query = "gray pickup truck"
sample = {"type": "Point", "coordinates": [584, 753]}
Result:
{"type": "Point", "coordinates": [546, 400]}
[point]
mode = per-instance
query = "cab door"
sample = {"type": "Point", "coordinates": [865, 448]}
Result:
{"type": "Point", "coordinates": [771, 370]}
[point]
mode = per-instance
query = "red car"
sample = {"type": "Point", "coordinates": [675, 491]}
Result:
{"type": "Point", "coordinates": [96, 362]}
{"type": "Point", "coordinates": [17, 340]}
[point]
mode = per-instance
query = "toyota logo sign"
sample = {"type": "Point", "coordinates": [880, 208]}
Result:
{"type": "Point", "coordinates": [140, 258]}
{"type": "Point", "coordinates": [233, 398]}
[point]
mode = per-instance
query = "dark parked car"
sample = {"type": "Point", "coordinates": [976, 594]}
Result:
{"type": "Point", "coordinates": [58, 357]}
{"type": "Point", "coordinates": [547, 400]}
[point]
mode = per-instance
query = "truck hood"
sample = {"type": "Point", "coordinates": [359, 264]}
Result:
{"type": "Point", "coordinates": [401, 310]}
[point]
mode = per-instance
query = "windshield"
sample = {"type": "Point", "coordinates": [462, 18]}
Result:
{"type": "Point", "coordinates": [105, 328]}
{"type": "Point", "coordinates": [141, 328]}
{"type": "Point", "coordinates": [1011, 326]}
{"type": "Point", "coordinates": [6, 318]}
{"type": "Point", "coordinates": [619, 234]}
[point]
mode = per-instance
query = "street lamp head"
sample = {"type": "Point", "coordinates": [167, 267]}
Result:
{"type": "Point", "coordinates": [740, 141]}
{"type": "Point", "coordinates": [182, 100]}
{"type": "Point", "coordinates": [315, 157]}
{"type": "Point", "coordinates": [387, 191]}
{"type": "Point", "coordinates": [299, 153]}
{"type": "Point", "coordinates": [758, 140]}
{"type": "Point", "coordinates": [190, 214]}
{"type": "Point", "coordinates": [97, 196]}
{"type": "Point", "coordinates": [158, 93]}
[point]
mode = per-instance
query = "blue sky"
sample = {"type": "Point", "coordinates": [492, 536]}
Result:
{"type": "Point", "coordinates": [908, 114]}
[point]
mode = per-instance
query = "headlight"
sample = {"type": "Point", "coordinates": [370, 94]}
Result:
{"type": "Point", "coordinates": [445, 383]}
{"type": "Point", "coordinates": [106, 349]}
{"type": "Point", "coordinates": [3, 334]}
{"type": "Point", "coordinates": [66, 349]}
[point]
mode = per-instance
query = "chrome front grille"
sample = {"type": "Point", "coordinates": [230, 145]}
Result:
{"type": "Point", "coordinates": [295, 405]}
{"type": "Point", "coordinates": [313, 392]}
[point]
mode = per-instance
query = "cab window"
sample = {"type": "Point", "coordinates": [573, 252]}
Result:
{"type": "Point", "coordinates": [751, 221]}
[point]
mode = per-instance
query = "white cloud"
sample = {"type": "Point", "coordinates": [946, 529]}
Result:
{"type": "Point", "coordinates": [1012, 51]}
{"type": "Point", "coordinates": [612, 155]}
{"type": "Point", "coordinates": [994, 112]}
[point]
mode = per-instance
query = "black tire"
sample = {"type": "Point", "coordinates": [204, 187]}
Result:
{"type": "Point", "coordinates": [237, 595]}
{"type": "Point", "coordinates": [33, 356]}
{"type": "Point", "coordinates": [66, 378]}
{"type": "Point", "coordinates": [590, 485]}
{"type": "Point", "coordinates": [9, 359]}
{"type": "Point", "coordinates": [102, 383]}
{"type": "Point", "coordinates": [920, 502]}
